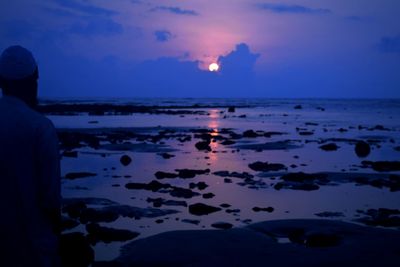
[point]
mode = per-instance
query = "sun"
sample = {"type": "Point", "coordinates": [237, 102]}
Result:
{"type": "Point", "coordinates": [213, 67]}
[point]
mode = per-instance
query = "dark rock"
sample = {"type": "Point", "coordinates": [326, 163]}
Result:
{"type": "Point", "coordinates": [268, 209]}
{"type": "Point", "coordinates": [232, 210]}
{"type": "Point", "coordinates": [225, 205]}
{"type": "Point", "coordinates": [125, 160]}
{"type": "Point", "coordinates": [203, 145]}
{"type": "Point", "coordinates": [250, 134]}
{"type": "Point", "coordinates": [75, 250]}
{"type": "Point", "coordinates": [152, 186]}
{"type": "Point", "coordinates": [299, 177]}
{"type": "Point", "coordinates": [298, 107]}
{"type": "Point", "coordinates": [265, 166]}
{"type": "Point", "coordinates": [74, 209]}
{"type": "Point", "coordinates": [166, 155]}
{"type": "Point", "coordinates": [199, 185]}
{"type": "Point", "coordinates": [107, 235]}
{"type": "Point", "coordinates": [208, 195]}
{"type": "Point", "coordinates": [158, 202]}
{"type": "Point", "coordinates": [227, 180]}
{"type": "Point", "coordinates": [382, 166]}
{"type": "Point", "coordinates": [322, 239]}
{"type": "Point", "coordinates": [188, 173]}
{"type": "Point", "coordinates": [228, 142]}
{"type": "Point", "coordinates": [329, 147]}
{"type": "Point", "coordinates": [362, 149]}
{"type": "Point", "coordinates": [222, 225]}
{"type": "Point", "coordinates": [162, 175]}
{"type": "Point", "coordinates": [97, 215]}
{"type": "Point", "coordinates": [306, 133]}
{"type": "Point", "coordinates": [381, 217]}
{"type": "Point", "coordinates": [78, 175]}
{"type": "Point", "coordinates": [183, 193]}
{"type": "Point", "coordinates": [231, 109]}
{"type": "Point", "coordinates": [242, 175]}
{"type": "Point", "coordinates": [200, 209]}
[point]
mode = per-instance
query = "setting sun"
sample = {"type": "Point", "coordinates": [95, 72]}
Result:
{"type": "Point", "coordinates": [213, 67]}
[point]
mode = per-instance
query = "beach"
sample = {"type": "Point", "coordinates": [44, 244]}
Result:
{"type": "Point", "coordinates": [133, 169]}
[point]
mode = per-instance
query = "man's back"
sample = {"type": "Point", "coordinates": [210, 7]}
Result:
{"type": "Point", "coordinates": [30, 185]}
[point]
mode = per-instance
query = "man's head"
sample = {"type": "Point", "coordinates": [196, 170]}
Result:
{"type": "Point", "coordinates": [19, 74]}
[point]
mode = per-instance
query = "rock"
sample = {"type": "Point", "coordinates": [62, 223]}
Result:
{"type": "Point", "coordinates": [200, 209]}
{"type": "Point", "coordinates": [98, 215]}
{"type": "Point", "coordinates": [183, 193]}
{"type": "Point", "coordinates": [268, 209]}
{"type": "Point", "coordinates": [329, 147]}
{"type": "Point", "coordinates": [382, 166]}
{"type": "Point", "coordinates": [208, 195]}
{"type": "Point", "coordinates": [125, 160]}
{"type": "Point", "coordinates": [265, 166]}
{"type": "Point", "coordinates": [75, 250]}
{"type": "Point", "coordinates": [203, 145]}
{"type": "Point", "coordinates": [243, 175]}
{"type": "Point", "coordinates": [162, 175]}
{"type": "Point", "coordinates": [227, 180]}
{"type": "Point", "coordinates": [188, 173]}
{"type": "Point", "coordinates": [158, 202]}
{"type": "Point", "coordinates": [299, 177]}
{"type": "Point", "coordinates": [79, 175]}
{"type": "Point", "coordinates": [222, 225]}
{"type": "Point", "coordinates": [298, 107]}
{"type": "Point", "coordinates": [228, 142]}
{"type": "Point", "coordinates": [381, 217]}
{"type": "Point", "coordinates": [107, 235]}
{"type": "Point", "coordinates": [199, 185]}
{"type": "Point", "coordinates": [322, 239]}
{"type": "Point", "coordinates": [362, 149]}
{"type": "Point", "coordinates": [250, 134]}
{"type": "Point", "coordinates": [231, 109]}
{"type": "Point", "coordinates": [152, 186]}
{"type": "Point", "coordinates": [306, 133]}
{"type": "Point", "coordinates": [166, 155]}
{"type": "Point", "coordinates": [225, 205]}
{"type": "Point", "coordinates": [74, 210]}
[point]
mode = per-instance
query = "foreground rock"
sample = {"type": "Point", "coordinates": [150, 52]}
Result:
{"type": "Point", "coordinates": [105, 234]}
{"type": "Point", "coordinates": [75, 250]}
{"type": "Point", "coordinates": [202, 209]}
{"type": "Point", "coordinates": [313, 243]}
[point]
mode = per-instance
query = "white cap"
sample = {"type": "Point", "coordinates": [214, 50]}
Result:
{"type": "Point", "coordinates": [17, 63]}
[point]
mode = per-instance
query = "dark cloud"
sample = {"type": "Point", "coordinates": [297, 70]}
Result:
{"type": "Point", "coordinates": [293, 9]}
{"type": "Point", "coordinates": [96, 26]}
{"type": "Point", "coordinates": [179, 78]}
{"type": "Point", "coordinates": [175, 10]}
{"type": "Point", "coordinates": [163, 35]}
{"type": "Point", "coordinates": [85, 7]}
{"type": "Point", "coordinates": [390, 44]}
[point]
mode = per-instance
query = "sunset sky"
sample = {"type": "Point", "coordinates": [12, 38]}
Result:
{"type": "Point", "coordinates": [162, 48]}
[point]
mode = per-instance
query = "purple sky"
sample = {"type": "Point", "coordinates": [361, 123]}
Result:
{"type": "Point", "coordinates": [162, 48]}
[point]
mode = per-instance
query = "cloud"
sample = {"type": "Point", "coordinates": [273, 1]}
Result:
{"type": "Point", "coordinates": [292, 9]}
{"type": "Point", "coordinates": [175, 10]}
{"type": "Point", "coordinates": [390, 44]}
{"type": "Point", "coordinates": [163, 35]}
{"type": "Point", "coordinates": [179, 78]}
{"type": "Point", "coordinates": [96, 26]}
{"type": "Point", "coordinates": [85, 8]}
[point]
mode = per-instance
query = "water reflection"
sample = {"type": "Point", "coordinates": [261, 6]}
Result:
{"type": "Point", "coordinates": [213, 125]}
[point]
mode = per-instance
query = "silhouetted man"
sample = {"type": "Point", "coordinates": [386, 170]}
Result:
{"type": "Point", "coordinates": [29, 168]}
